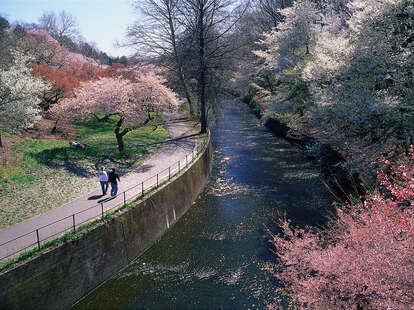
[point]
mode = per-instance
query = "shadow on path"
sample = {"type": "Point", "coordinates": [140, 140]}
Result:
{"type": "Point", "coordinates": [143, 168]}
{"type": "Point", "coordinates": [107, 199]}
{"type": "Point", "coordinates": [171, 141]}
{"type": "Point", "coordinates": [178, 120]}
{"type": "Point", "coordinates": [94, 197]}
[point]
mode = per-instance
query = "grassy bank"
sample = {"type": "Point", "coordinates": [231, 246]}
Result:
{"type": "Point", "coordinates": [43, 174]}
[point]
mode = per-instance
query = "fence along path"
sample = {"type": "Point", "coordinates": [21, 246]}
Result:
{"type": "Point", "coordinates": [173, 157]}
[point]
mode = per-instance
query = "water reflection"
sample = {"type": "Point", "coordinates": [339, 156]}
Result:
{"type": "Point", "coordinates": [217, 256]}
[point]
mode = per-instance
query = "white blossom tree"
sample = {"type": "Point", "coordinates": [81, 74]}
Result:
{"type": "Point", "coordinates": [361, 78]}
{"type": "Point", "coordinates": [292, 40]}
{"type": "Point", "coordinates": [357, 67]}
{"type": "Point", "coordinates": [20, 95]}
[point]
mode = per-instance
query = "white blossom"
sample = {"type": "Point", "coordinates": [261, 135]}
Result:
{"type": "Point", "coordinates": [286, 45]}
{"type": "Point", "coordinates": [20, 94]}
{"type": "Point", "coordinates": [362, 75]}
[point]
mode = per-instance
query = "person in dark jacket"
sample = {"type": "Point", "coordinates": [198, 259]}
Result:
{"type": "Point", "coordinates": [112, 178]}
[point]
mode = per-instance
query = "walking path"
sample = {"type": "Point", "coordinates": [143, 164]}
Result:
{"type": "Point", "coordinates": [182, 142]}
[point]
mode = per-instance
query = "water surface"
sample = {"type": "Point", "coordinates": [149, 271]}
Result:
{"type": "Point", "coordinates": [217, 255]}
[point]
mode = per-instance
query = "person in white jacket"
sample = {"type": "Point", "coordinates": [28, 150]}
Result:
{"type": "Point", "coordinates": [103, 178]}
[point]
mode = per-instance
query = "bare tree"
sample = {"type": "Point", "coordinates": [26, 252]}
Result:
{"type": "Point", "coordinates": [158, 35]}
{"type": "Point", "coordinates": [48, 21]}
{"type": "Point", "coordinates": [210, 22]}
{"type": "Point", "coordinates": [60, 26]}
{"type": "Point", "coordinates": [267, 12]}
{"type": "Point", "coordinates": [191, 37]}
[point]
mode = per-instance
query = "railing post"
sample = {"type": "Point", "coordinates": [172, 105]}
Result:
{"type": "Point", "coordinates": [178, 167]}
{"type": "Point", "coordinates": [124, 200]}
{"type": "Point", "coordinates": [102, 210]}
{"type": "Point", "coordinates": [142, 188]}
{"type": "Point", "coordinates": [73, 222]}
{"type": "Point", "coordinates": [157, 180]}
{"type": "Point", "coordinates": [38, 240]}
{"type": "Point", "coordinates": [186, 160]}
{"type": "Point", "coordinates": [169, 173]}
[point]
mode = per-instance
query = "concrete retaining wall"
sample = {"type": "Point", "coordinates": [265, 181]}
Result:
{"type": "Point", "coordinates": [57, 279]}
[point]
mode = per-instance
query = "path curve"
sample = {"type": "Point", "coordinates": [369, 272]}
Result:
{"type": "Point", "coordinates": [182, 142]}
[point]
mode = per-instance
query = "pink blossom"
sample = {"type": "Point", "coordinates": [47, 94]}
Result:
{"type": "Point", "coordinates": [364, 259]}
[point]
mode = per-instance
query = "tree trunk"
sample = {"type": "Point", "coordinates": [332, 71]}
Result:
{"type": "Point", "coordinates": [104, 118]}
{"type": "Point", "coordinates": [54, 127]}
{"type": "Point", "coordinates": [120, 134]}
{"type": "Point", "coordinates": [187, 94]}
{"type": "Point", "coordinates": [179, 62]}
{"type": "Point", "coordinates": [1, 142]}
{"type": "Point", "coordinates": [120, 140]}
{"type": "Point", "coordinates": [202, 77]}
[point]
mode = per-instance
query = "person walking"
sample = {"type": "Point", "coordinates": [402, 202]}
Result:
{"type": "Point", "coordinates": [112, 178]}
{"type": "Point", "coordinates": [103, 178]}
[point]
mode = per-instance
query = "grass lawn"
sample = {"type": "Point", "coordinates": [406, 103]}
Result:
{"type": "Point", "coordinates": [46, 173]}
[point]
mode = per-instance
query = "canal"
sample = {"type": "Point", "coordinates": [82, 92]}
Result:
{"type": "Point", "coordinates": [217, 256]}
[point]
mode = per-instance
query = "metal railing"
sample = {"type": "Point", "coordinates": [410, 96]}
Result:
{"type": "Point", "coordinates": [35, 238]}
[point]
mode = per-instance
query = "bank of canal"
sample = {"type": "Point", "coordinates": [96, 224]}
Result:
{"type": "Point", "coordinates": [217, 256]}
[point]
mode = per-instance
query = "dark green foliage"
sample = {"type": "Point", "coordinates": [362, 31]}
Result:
{"type": "Point", "coordinates": [300, 94]}
{"type": "Point", "coordinates": [256, 109]}
{"type": "Point", "coordinates": [267, 80]}
{"type": "Point", "coordinates": [4, 24]}
{"type": "Point", "coordinates": [19, 32]}
{"type": "Point", "coordinates": [70, 44]}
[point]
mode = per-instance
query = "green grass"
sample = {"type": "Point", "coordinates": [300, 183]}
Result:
{"type": "Point", "coordinates": [283, 121]}
{"type": "Point", "coordinates": [183, 108]}
{"type": "Point", "coordinates": [44, 174]}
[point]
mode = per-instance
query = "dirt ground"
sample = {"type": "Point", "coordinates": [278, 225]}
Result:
{"type": "Point", "coordinates": [43, 129]}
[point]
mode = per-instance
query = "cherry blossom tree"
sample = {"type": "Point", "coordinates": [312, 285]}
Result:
{"type": "Point", "coordinates": [288, 44]}
{"type": "Point", "coordinates": [364, 259]}
{"type": "Point", "coordinates": [47, 50]}
{"type": "Point", "coordinates": [361, 79]}
{"type": "Point", "coordinates": [42, 47]}
{"type": "Point", "coordinates": [358, 79]}
{"type": "Point", "coordinates": [130, 101]}
{"type": "Point", "coordinates": [149, 89]}
{"type": "Point", "coordinates": [20, 94]}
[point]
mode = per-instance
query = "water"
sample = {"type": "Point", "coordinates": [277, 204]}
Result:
{"type": "Point", "coordinates": [217, 256]}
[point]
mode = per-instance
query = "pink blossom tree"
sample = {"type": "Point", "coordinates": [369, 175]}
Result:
{"type": "Point", "coordinates": [364, 259]}
{"type": "Point", "coordinates": [46, 50]}
{"type": "Point", "coordinates": [43, 47]}
{"type": "Point", "coordinates": [149, 88]}
{"type": "Point", "coordinates": [113, 96]}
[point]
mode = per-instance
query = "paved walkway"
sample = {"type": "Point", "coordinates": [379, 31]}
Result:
{"type": "Point", "coordinates": [181, 143]}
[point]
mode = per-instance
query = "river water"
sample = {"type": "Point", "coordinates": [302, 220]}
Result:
{"type": "Point", "coordinates": [217, 256]}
